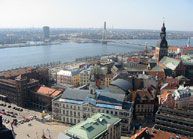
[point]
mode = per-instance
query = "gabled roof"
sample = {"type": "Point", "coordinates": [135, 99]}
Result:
{"type": "Point", "coordinates": [122, 84]}
{"type": "Point", "coordinates": [93, 127]}
{"type": "Point", "coordinates": [75, 94]}
{"type": "Point", "coordinates": [47, 91]}
{"type": "Point", "coordinates": [107, 97]}
{"type": "Point", "coordinates": [151, 133]}
{"type": "Point", "coordinates": [169, 63]}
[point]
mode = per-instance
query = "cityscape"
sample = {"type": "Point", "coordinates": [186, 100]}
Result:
{"type": "Point", "coordinates": [114, 79]}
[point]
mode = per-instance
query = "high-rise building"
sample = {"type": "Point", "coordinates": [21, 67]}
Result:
{"type": "Point", "coordinates": [46, 31]}
{"type": "Point", "coordinates": [162, 45]}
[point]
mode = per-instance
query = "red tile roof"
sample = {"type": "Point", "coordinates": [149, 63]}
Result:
{"type": "Point", "coordinates": [171, 80]}
{"type": "Point", "coordinates": [149, 133]}
{"type": "Point", "coordinates": [188, 48]}
{"type": "Point", "coordinates": [47, 91]}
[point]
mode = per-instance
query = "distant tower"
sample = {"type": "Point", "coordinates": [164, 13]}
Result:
{"type": "Point", "coordinates": [162, 46]}
{"type": "Point", "coordinates": [46, 31]}
{"type": "Point", "coordinates": [188, 43]}
{"type": "Point", "coordinates": [104, 31]}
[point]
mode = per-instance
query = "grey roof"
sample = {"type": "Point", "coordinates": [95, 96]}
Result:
{"type": "Point", "coordinates": [123, 84]}
{"type": "Point", "coordinates": [107, 97]}
{"type": "Point", "coordinates": [74, 94]}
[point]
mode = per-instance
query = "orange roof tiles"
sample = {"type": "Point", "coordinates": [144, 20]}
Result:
{"type": "Point", "coordinates": [164, 95]}
{"type": "Point", "coordinates": [171, 80]}
{"type": "Point", "coordinates": [173, 48]}
{"type": "Point", "coordinates": [149, 133]}
{"type": "Point", "coordinates": [47, 91]}
{"type": "Point", "coordinates": [133, 59]}
{"type": "Point", "coordinates": [188, 48]}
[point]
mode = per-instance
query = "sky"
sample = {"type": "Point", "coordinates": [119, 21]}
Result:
{"type": "Point", "coordinates": [125, 14]}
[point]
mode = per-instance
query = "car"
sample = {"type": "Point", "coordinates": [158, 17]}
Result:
{"type": "Point", "coordinates": [9, 106]}
{"type": "Point", "coordinates": [14, 108]}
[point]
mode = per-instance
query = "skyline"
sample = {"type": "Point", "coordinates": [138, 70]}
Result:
{"type": "Point", "coordinates": [125, 14]}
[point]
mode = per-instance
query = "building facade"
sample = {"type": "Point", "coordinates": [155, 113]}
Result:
{"type": "Point", "coordinates": [68, 77]}
{"type": "Point", "coordinates": [46, 31]}
{"type": "Point", "coordinates": [75, 105]}
{"type": "Point", "coordinates": [175, 121]}
{"type": "Point", "coordinates": [98, 126]}
{"type": "Point", "coordinates": [16, 91]}
{"type": "Point", "coordinates": [84, 77]}
{"type": "Point", "coordinates": [41, 97]}
{"type": "Point", "coordinates": [144, 105]}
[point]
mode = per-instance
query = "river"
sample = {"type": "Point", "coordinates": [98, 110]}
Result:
{"type": "Point", "coordinates": [33, 55]}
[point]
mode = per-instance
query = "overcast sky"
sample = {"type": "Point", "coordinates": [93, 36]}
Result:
{"type": "Point", "coordinates": [129, 14]}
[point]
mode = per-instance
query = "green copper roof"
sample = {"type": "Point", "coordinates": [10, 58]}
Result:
{"type": "Point", "coordinates": [169, 63]}
{"type": "Point", "coordinates": [187, 59]}
{"type": "Point", "coordinates": [92, 127]}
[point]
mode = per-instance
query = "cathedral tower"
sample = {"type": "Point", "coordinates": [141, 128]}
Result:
{"type": "Point", "coordinates": [162, 46]}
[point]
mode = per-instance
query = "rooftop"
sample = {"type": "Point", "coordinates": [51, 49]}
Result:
{"type": "Point", "coordinates": [151, 133]}
{"type": "Point", "coordinates": [68, 72]}
{"type": "Point", "coordinates": [104, 98]}
{"type": "Point", "coordinates": [122, 84]}
{"type": "Point", "coordinates": [169, 63]}
{"type": "Point", "coordinates": [47, 91]}
{"type": "Point", "coordinates": [93, 127]}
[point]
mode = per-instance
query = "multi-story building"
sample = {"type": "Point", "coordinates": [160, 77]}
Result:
{"type": "Point", "coordinates": [144, 104]}
{"type": "Point", "coordinates": [183, 97]}
{"type": "Point", "coordinates": [84, 77]}
{"type": "Point", "coordinates": [74, 105]}
{"type": "Point", "coordinates": [108, 79]}
{"type": "Point", "coordinates": [46, 31]}
{"type": "Point", "coordinates": [174, 121]}
{"type": "Point", "coordinates": [16, 91]}
{"type": "Point", "coordinates": [98, 126]}
{"type": "Point", "coordinates": [68, 77]}
{"type": "Point", "coordinates": [41, 97]}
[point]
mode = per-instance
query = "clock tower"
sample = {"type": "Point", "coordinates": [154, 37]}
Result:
{"type": "Point", "coordinates": [162, 46]}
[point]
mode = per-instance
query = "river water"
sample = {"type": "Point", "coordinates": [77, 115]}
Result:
{"type": "Point", "coordinates": [28, 56]}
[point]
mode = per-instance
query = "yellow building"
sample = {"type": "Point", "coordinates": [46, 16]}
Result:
{"type": "Point", "coordinates": [68, 77]}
